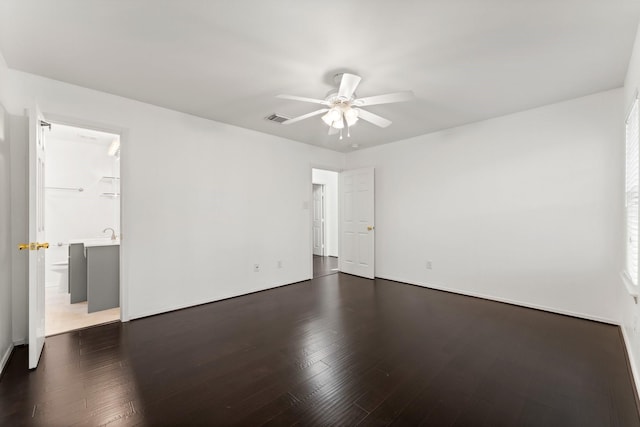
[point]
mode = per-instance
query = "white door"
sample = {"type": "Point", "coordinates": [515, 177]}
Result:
{"type": "Point", "coordinates": [37, 245]}
{"type": "Point", "coordinates": [357, 231]}
{"type": "Point", "coordinates": [318, 219]}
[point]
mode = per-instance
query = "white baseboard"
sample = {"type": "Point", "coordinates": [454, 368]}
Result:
{"type": "Point", "coordinates": [634, 368]}
{"type": "Point", "coordinates": [507, 300]}
{"type": "Point", "coordinates": [175, 307]}
{"type": "Point", "coordinates": [5, 357]}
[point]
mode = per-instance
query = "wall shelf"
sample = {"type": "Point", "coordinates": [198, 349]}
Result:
{"type": "Point", "coordinates": [115, 182]}
{"type": "Point", "coordinates": [78, 189]}
{"type": "Point", "coordinates": [110, 179]}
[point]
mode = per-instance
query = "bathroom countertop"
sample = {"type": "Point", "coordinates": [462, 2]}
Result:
{"type": "Point", "coordinates": [109, 243]}
{"type": "Point", "coordinates": [96, 242]}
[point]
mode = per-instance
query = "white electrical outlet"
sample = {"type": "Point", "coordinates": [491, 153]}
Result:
{"type": "Point", "coordinates": [256, 267]}
{"type": "Point", "coordinates": [279, 264]}
{"type": "Point", "coordinates": [429, 265]}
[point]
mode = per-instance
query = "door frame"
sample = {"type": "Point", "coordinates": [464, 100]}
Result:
{"type": "Point", "coordinates": [310, 193]}
{"type": "Point", "coordinates": [124, 178]}
{"type": "Point", "coordinates": [323, 215]}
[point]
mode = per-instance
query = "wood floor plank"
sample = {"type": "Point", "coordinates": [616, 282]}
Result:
{"type": "Point", "coordinates": [337, 350]}
{"type": "Point", "coordinates": [324, 265]}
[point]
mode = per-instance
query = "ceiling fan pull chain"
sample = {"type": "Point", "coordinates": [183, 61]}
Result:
{"type": "Point", "coordinates": [340, 134]}
{"type": "Point", "coordinates": [348, 131]}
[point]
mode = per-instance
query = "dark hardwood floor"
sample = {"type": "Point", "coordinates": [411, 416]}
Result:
{"type": "Point", "coordinates": [323, 265]}
{"type": "Point", "coordinates": [338, 350]}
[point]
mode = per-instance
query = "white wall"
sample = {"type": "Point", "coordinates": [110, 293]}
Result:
{"type": "Point", "coordinates": [196, 195]}
{"type": "Point", "coordinates": [330, 181]}
{"type": "Point", "coordinates": [6, 339]}
{"type": "Point", "coordinates": [18, 127]}
{"type": "Point", "coordinates": [628, 308]}
{"type": "Point", "coordinates": [4, 80]}
{"type": "Point", "coordinates": [523, 208]}
{"type": "Point", "coordinates": [72, 215]}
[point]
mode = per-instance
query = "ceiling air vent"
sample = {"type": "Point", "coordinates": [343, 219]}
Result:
{"type": "Point", "coordinates": [277, 118]}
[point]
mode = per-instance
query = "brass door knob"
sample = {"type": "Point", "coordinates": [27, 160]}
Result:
{"type": "Point", "coordinates": [33, 246]}
{"type": "Point", "coordinates": [370, 228]}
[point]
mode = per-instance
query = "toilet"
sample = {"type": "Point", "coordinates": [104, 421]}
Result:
{"type": "Point", "coordinates": [62, 268]}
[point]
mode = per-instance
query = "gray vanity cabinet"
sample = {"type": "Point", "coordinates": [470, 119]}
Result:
{"type": "Point", "coordinates": [94, 276]}
{"type": "Point", "coordinates": [103, 277]}
{"type": "Point", "coordinates": [77, 273]}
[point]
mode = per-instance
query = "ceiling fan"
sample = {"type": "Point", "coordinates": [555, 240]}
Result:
{"type": "Point", "coordinates": [342, 109]}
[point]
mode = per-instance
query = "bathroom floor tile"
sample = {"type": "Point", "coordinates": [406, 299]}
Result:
{"type": "Point", "coordinates": [62, 316]}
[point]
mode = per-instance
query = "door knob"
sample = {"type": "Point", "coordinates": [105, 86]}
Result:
{"type": "Point", "coordinates": [33, 246]}
{"type": "Point", "coordinates": [370, 228]}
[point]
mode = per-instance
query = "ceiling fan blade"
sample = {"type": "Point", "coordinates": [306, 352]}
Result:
{"type": "Point", "coordinates": [303, 99]}
{"type": "Point", "coordinates": [373, 118]}
{"type": "Point", "coordinates": [305, 116]}
{"type": "Point", "coordinates": [348, 85]}
{"type": "Point", "coordinates": [385, 99]}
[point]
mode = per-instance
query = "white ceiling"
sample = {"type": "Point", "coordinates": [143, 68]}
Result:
{"type": "Point", "coordinates": [466, 60]}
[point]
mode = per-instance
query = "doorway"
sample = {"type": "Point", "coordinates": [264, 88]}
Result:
{"type": "Point", "coordinates": [324, 222]}
{"type": "Point", "coordinates": [82, 223]}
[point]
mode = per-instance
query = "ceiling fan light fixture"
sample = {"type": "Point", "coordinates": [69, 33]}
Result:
{"type": "Point", "coordinates": [337, 124]}
{"type": "Point", "coordinates": [333, 117]}
{"type": "Point", "coordinates": [351, 116]}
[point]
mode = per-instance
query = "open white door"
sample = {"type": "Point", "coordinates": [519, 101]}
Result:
{"type": "Point", "coordinates": [357, 231]}
{"type": "Point", "coordinates": [318, 219]}
{"type": "Point", "coordinates": [36, 245]}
